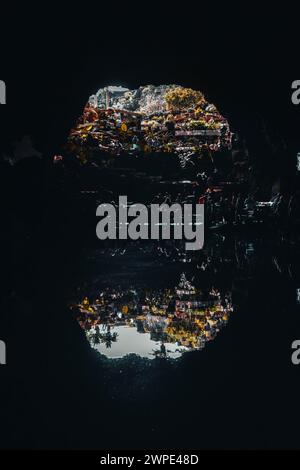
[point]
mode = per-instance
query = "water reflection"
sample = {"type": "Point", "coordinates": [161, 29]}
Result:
{"type": "Point", "coordinates": [157, 300]}
{"type": "Point", "coordinates": [153, 322]}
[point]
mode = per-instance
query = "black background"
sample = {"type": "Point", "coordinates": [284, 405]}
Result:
{"type": "Point", "coordinates": [243, 58]}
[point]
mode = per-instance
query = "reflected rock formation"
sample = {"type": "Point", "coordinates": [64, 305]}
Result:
{"type": "Point", "coordinates": [151, 322]}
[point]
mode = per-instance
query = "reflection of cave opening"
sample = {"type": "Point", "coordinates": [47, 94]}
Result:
{"type": "Point", "coordinates": [153, 322]}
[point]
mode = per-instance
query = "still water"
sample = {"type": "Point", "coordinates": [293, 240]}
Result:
{"type": "Point", "coordinates": [163, 348]}
{"type": "Point", "coordinates": [156, 300]}
{"type": "Point", "coordinates": [153, 323]}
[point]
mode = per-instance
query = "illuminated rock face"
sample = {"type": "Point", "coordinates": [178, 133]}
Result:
{"type": "Point", "coordinates": [146, 99]}
{"type": "Point", "coordinates": [165, 118]}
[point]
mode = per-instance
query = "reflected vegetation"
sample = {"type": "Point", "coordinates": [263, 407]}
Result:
{"type": "Point", "coordinates": [156, 300]}
{"type": "Point", "coordinates": [154, 323]}
{"type": "Point", "coordinates": [151, 299]}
